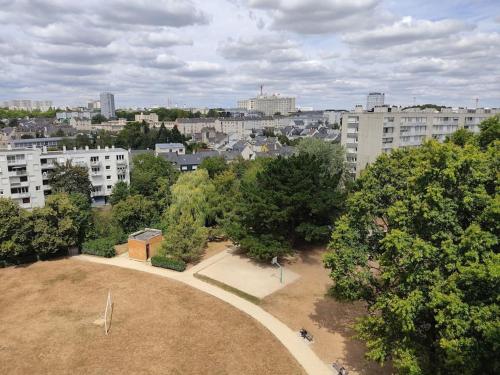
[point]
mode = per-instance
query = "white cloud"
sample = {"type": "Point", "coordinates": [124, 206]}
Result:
{"type": "Point", "coordinates": [405, 31]}
{"type": "Point", "coordinates": [321, 16]}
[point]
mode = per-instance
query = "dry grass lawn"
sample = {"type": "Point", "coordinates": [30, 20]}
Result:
{"type": "Point", "coordinates": [304, 304]}
{"type": "Point", "coordinates": [48, 309]}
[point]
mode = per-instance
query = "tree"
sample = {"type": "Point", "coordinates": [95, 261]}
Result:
{"type": "Point", "coordinates": [332, 156]}
{"type": "Point", "coordinates": [70, 179]}
{"type": "Point", "coordinates": [490, 131]}
{"type": "Point", "coordinates": [185, 239]}
{"type": "Point", "coordinates": [146, 174]}
{"type": "Point", "coordinates": [83, 217]}
{"type": "Point", "coordinates": [134, 213]}
{"type": "Point", "coordinates": [291, 200]}
{"type": "Point", "coordinates": [98, 119]}
{"type": "Point", "coordinates": [214, 165]}
{"type": "Point", "coordinates": [186, 217]}
{"type": "Point", "coordinates": [54, 227]}
{"type": "Point", "coordinates": [419, 244]}
{"type": "Point", "coordinates": [461, 137]}
{"type": "Point", "coordinates": [119, 193]}
{"type": "Point", "coordinates": [15, 230]}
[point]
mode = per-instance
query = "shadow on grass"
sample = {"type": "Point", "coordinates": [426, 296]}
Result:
{"type": "Point", "coordinates": [228, 288]}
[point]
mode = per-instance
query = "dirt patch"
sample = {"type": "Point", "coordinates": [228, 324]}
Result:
{"type": "Point", "coordinates": [48, 310]}
{"type": "Point", "coordinates": [305, 304]}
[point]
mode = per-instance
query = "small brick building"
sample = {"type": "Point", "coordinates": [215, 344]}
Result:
{"type": "Point", "coordinates": [144, 244]}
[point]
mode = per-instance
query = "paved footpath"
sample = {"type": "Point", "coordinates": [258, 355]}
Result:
{"type": "Point", "coordinates": [290, 339]}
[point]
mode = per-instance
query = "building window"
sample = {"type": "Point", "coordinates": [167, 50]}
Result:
{"type": "Point", "coordinates": [37, 188]}
{"type": "Point", "coordinates": [108, 177]}
{"type": "Point", "coordinates": [94, 159]}
{"type": "Point", "coordinates": [106, 157]}
{"type": "Point", "coordinates": [108, 167]}
{"type": "Point", "coordinates": [121, 177]}
{"type": "Point", "coordinates": [26, 200]}
{"type": "Point", "coordinates": [120, 157]}
{"type": "Point", "coordinates": [110, 187]}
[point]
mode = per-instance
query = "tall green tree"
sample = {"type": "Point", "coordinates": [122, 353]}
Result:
{"type": "Point", "coordinates": [15, 230]}
{"type": "Point", "coordinates": [120, 192]}
{"type": "Point", "coordinates": [291, 200]}
{"type": "Point", "coordinates": [54, 226]}
{"type": "Point", "coordinates": [147, 170]}
{"type": "Point", "coordinates": [69, 178]}
{"type": "Point", "coordinates": [419, 244]}
{"type": "Point", "coordinates": [82, 218]}
{"type": "Point", "coordinates": [489, 131]}
{"type": "Point", "coordinates": [134, 213]}
{"type": "Point", "coordinates": [214, 165]}
{"type": "Point", "coordinates": [331, 156]}
{"type": "Point", "coordinates": [185, 218]}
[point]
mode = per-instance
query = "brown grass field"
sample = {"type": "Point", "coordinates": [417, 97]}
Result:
{"type": "Point", "coordinates": [159, 326]}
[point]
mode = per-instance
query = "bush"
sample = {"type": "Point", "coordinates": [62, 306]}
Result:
{"type": "Point", "coordinates": [103, 247]}
{"type": "Point", "coordinates": [170, 263]}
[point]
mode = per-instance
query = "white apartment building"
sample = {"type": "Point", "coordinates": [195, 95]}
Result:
{"type": "Point", "coordinates": [28, 105]}
{"type": "Point", "coordinates": [269, 104]}
{"type": "Point", "coordinates": [24, 173]}
{"type": "Point", "coordinates": [366, 135]}
{"type": "Point", "coordinates": [151, 119]}
{"type": "Point", "coordinates": [68, 115]}
{"type": "Point", "coordinates": [375, 99]}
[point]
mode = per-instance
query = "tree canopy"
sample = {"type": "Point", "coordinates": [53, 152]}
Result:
{"type": "Point", "coordinates": [15, 229]}
{"type": "Point", "coordinates": [289, 200]}
{"type": "Point", "coordinates": [419, 244]}
{"type": "Point", "coordinates": [134, 213]}
{"type": "Point", "coordinates": [69, 178]}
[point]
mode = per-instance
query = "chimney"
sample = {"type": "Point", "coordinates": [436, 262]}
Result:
{"type": "Point", "coordinates": [44, 149]}
{"type": "Point", "coordinates": [64, 149]}
{"type": "Point", "coordinates": [106, 148]}
{"type": "Point", "coordinates": [113, 147]}
{"type": "Point", "coordinates": [74, 148]}
{"type": "Point", "coordinates": [9, 147]}
{"type": "Point", "coordinates": [98, 147]}
{"type": "Point", "coordinates": [86, 148]}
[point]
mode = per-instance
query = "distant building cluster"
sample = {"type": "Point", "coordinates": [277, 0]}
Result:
{"type": "Point", "coordinates": [269, 105]}
{"type": "Point", "coordinates": [28, 105]}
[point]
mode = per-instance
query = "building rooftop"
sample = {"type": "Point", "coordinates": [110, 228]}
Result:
{"type": "Point", "coordinates": [146, 234]}
{"type": "Point", "coordinates": [169, 145]}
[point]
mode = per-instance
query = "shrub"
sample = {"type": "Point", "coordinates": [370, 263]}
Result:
{"type": "Point", "coordinates": [103, 247]}
{"type": "Point", "coordinates": [170, 263]}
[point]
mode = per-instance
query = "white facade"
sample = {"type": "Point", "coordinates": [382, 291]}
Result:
{"type": "Point", "coordinates": [167, 148]}
{"type": "Point", "coordinates": [24, 173]}
{"type": "Point", "coordinates": [29, 105]}
{"type": "Point", "coordinates": [107, 105]}
{"type": "Point", "coordinates": [366, 135]}
{"type": "Point", "coordinates": [68, 115]}
{"type": "Point", "coordinates": [269, 104]}
{"type": "Point", "coordinates": [375, 99]}
{"type": "Point", "coordinates": [152, 118]}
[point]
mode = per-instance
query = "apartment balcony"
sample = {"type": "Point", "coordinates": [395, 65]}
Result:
{"type": "Point", "coordinates": [121, 162]}
{"type": "Point", "coordinates": [94, 163]}
{"type": "Point", "coordinates": [20, 172]}
{"type": "Point", "coordinates": [20, 195]}
{"type": "Point", "coordinates": [16, 162]}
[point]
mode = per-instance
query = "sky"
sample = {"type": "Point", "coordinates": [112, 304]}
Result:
{"type": "Point", "coordinates": [196, 53]}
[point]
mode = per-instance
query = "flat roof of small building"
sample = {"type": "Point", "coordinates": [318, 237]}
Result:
{"type": "Point", "coordinates": [146, 234]}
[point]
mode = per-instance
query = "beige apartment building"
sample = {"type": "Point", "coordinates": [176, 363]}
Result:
{"type": "Point", "coordinates": [366, 135]}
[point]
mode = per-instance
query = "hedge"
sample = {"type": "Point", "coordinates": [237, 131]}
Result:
{"type": "Point", "coordinates": [103, 247]}
{"type": "Point", "coordinates": [163, 262]}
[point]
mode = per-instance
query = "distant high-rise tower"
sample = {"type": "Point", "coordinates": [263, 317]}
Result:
{"type": "Point", "coordinates": [375, 99]}
{"type": "Point", "coordinates": [108, 105]}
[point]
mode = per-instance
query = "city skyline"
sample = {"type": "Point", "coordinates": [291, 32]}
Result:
{"type": "Point", "coordinates": [327, 54]}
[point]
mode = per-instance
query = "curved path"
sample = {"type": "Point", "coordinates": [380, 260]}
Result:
{"type": "Point", "coordinates": [290, 340]}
